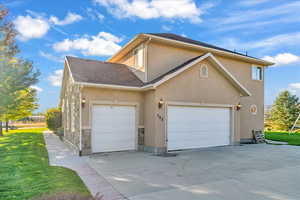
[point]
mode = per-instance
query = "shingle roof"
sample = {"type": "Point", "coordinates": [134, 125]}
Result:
{"type": "Point", "coordinates": [195, 42]}
{"type": "Point", "coordinates": [98, 72]}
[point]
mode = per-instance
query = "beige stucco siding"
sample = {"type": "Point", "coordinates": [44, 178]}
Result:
{"type": "Point", "coordinates": [149, 117]}
{"type": "Point", "coordinates": [163, 57]}
{"type": "Point", "coordinates": [242, 71]}
{"type": "Point", "coordinates": [99, 96]}
{"type": "Point", "coordinates": [189, 87]}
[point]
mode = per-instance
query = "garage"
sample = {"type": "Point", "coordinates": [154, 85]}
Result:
{"type": "Point", "coordinates": [197, 127]}
{"type": "Point", "coordinates": [113, 128]}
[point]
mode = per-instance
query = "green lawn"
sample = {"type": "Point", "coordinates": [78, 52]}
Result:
{"type": "Point", "coordinates": [25, 170]}
{"type": "Point", "coordinates": [292, 139]}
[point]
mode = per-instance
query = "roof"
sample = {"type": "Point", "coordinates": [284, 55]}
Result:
{"type": "Point", "coordinates": [180, 40]}
{"type": "Point", "coordinates": [119, 76]}
{"type": "Point", "coordinates": [98, 72]}
{"type": "Point", "coordinates": [190, 41]}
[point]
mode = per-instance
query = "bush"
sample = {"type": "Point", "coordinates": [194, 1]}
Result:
{"type": "Point", "coordinates": [54, 119]}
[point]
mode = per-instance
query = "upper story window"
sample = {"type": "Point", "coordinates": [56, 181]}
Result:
{"type": "Point", "coordinates": [257, 73]}
{"type": "Point", "coordinates": [139, 57]}
{"type": "Point", "coordinates": [203, 71]}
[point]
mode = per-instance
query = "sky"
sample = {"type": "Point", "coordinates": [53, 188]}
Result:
{"type": "Point", "coordinates": [96, 29]}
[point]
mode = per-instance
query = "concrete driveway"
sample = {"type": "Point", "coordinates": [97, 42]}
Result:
{"type": "Point", "coordinates": [241, 172]}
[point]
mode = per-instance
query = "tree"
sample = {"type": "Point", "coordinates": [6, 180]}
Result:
{"type": "Point", "coordinates": [16, 75]}
{"type": "Point", "coordinates": [26, 104]}
{"type": "Point", "coordinates": [284, 111]}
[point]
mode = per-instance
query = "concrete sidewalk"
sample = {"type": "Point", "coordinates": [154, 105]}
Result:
{"type": "Point", "coordinates": [61, 155]}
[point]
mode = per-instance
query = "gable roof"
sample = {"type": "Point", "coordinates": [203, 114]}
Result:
{"type": "Point", "coordinates": [187, 42]}
{"type": "Point", "coordinates": [190, 63]}
{"type": "Point", "coordinates": [98, 72]}
{"type": "Point", "coordinates": [118, 76]}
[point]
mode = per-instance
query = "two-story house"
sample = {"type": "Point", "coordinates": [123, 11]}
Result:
{"type": "Point", "coordinates": [162, 92]}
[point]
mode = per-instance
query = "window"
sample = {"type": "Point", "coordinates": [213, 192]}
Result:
{"type": "Point", "coordinates": [139, 57]}
{"type": "Point", "coordinates": [257, 73]}
{"type": "Point", "coordinates": [204, 71]}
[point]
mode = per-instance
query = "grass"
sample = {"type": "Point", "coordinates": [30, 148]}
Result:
{"type": "Point", "coordinates": [292, 139]}
{"type": "Point", "coordinates": [25, 172]}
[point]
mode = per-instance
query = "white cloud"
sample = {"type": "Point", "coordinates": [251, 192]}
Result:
{"type": "Point", "coordinates": [166, 28]}
{"type": "Point", "coordinates": [253, 2]}
{"type": "Point", "coordinates": [288, 39]}
{"type": "Point", "coordinates": [94, 14]}
{"type": "Point", "coordinates": [152, 9]}
{"type": "Point", "coordinates": [56, 78]}
{"type": "Point", "coordinates": [29, 27]}
{"type": "Point", "coordinates": [52, 57]}
{"type": "Point", "coordinates": [257, 17]}
{"type": "Point", "coordinates": [283, 59]}
{"type": "Point", "coordinates": [37, 88]}
{"type": "Point", "coordinates": [283, 10]}
{"type": "Point", "coordinates": [103, 44]}
{"type": "Point", "coordinates": [69, 19]}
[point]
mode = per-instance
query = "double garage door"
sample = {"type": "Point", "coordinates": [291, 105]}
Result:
{"type": "Point", "coordinates": [196, 127]}
{"type": "Point", "coordinates": [114, 127]}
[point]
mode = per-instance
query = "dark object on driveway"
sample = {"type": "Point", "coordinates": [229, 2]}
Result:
{"type": "Point", "coordinates": [259, 136]}
{"type": "Point", "coordinates": [167, 154]}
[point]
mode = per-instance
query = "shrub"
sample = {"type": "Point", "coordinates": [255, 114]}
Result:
{"type": "Point", "coordinates": [54, 119]}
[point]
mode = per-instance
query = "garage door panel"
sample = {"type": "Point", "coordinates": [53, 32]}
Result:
{"type": "Point", "coordinates": [113, 128]}
{"type": "Point", "coordinates": [195, 127]}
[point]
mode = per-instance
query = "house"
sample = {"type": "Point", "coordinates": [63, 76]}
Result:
{"type": "Point", "coordinates": [162, 92]}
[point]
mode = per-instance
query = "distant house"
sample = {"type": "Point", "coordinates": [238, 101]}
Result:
{"type": "Point", "coordinates": [162, 92]}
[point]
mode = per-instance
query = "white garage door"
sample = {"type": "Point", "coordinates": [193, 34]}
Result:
{"type": "Point", "coordinates": [113, 128]}
{"type": "Point", "coordinates": [196, 127]}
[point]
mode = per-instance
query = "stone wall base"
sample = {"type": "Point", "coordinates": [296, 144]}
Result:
{"type": "Point", "coordinates": [154, 150]}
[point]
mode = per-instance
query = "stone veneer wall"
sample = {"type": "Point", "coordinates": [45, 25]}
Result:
{"type": "Point", "coordinates": [71, 115]}
{"type": "Point", "coordinates": [86, 141]}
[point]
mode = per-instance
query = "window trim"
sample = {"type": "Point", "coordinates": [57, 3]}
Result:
{"type": "Point", "coordinates": [136, 57]}
{"type": "Point", "coordinates": [261, 75]}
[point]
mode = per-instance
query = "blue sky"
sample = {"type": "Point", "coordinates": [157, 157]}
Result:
{"type": "Point", "coordinates": [49, 30]}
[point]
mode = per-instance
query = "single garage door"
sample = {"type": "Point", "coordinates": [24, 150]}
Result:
{"type": "Point", "coordinates": [196, 127]}
{"type": "Point", "coordinates": [113, 128]}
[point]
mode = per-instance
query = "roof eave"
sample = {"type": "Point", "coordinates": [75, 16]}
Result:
{"type": "Point", "coordinates": [144, 35]}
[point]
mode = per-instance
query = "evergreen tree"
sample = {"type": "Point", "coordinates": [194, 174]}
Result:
{"type": "Point", "coordinates": [284, 111]}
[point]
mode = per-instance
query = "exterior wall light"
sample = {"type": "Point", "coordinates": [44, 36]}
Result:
{"type": "Point", "coordinates": [83, 101]}
{"type": "Point", "coordinates": [238, 107]}
{"type": "Point", "coordinates": [160, 103]}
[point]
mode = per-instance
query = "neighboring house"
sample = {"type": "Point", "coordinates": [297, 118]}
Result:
{"type": "Point", "coordinates": [162, 92]}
